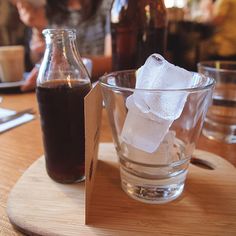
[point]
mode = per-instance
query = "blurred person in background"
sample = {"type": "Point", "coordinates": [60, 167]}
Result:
{"type": "Point", "coordinates": [206, 8]}
{"type": "Point", "coordinates": [222, 44]}
{"type": "Point", "coordinates": [4, 17]}
{"type": "Point", "coordinates": [12, 30]}
{"type": "Point", "coordinates": [88, 17]}
{"type": "Point", "coordinates": [198, 10]}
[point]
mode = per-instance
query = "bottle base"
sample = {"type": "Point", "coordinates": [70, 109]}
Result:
{"type": "Point", "coordinates": [66, 181]}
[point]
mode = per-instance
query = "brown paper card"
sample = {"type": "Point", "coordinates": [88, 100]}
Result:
{"type": "Point", "coordinates": [93, 112]}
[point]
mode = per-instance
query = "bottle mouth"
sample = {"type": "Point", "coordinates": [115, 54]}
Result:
{"type": "Point", "coordinates": [71, 33]}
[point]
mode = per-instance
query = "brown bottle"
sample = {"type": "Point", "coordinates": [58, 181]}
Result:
{"type": "Point", "coordinates": [138, 28]}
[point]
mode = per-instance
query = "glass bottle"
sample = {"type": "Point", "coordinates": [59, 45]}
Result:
{"type": "Point", "coordinates": [62, 84]}
{"type": "Point", "coordinates": [138, 28]}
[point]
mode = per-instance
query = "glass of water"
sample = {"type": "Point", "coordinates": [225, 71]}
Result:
{"type": "Point", "coordinates": [220, 122]}
{"type": "Point", "coordinates": [154, 150]}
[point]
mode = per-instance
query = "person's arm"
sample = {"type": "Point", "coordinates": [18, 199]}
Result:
{"type": "Point", "coordinates": [30, 82]}
{"type": "Point", "coordinates": [34, 17]}
{"type": "Point", "coordinates": [221, 8]}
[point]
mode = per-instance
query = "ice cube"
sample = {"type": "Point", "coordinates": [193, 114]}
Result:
{"type": "Point", "coordinates": [165, 154]}
{"type": "Point", "coordinates": [157, 73]}
{"type": "Point", "coordinates": [151, 113]}
{"type": "Point", "coordinates": [143, 131]}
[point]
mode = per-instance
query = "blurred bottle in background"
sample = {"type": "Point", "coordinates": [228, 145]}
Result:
{"type": "Point", "coordinates": [138, 29]}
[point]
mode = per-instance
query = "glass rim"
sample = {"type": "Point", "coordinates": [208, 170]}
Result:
{"type": "Point", "coordinates": [103, 83]}
{"type": "Point", "coordinates": [210, 65]}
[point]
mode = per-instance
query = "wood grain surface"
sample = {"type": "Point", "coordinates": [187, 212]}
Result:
{"type": "Point", "coordinates": [21, 146]}
{"type": "Point", "coordinates": [206, 207]}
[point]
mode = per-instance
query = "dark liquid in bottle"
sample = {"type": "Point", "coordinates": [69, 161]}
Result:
{"type": "Point", "coordinates": [130, 49]}
{"type": "Point", "coordinates": [61, 105]}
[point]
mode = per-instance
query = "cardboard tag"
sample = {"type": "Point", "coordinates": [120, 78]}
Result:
{"type": "Point", "coordinates": [93, 113]}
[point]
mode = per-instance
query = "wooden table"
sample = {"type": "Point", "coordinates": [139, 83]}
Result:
{"type": "Point", "coordinates": [21, 146]}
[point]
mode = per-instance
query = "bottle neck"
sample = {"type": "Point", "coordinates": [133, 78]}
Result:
{"type": "Point", "coordinates": [61, 58]}
{"type": "Point", "coordinates": [61, 45]}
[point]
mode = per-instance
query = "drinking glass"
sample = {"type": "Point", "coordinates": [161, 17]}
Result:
{"type": "Point", "coordinates": [11, 63]}
{"type": "Point", "coordinates": [220, 122]}
{"type": "Point", "coordinates": [157, 175]}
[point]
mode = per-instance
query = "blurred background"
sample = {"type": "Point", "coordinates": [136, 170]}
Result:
{"type": "Point", "coordinates": [196, 30]}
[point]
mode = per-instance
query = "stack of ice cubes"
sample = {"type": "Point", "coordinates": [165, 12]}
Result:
{"type": "Point", "coordinates": [151, 112]}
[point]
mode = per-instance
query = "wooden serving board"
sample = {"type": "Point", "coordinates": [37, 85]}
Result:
{"type": "Point", "coordinates": [39, 206]}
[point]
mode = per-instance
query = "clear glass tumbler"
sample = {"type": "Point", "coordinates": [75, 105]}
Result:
{"type": "Point", "coordinates": [220, 122]}
{"type": "Point", "coordinates": [154, 150]}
